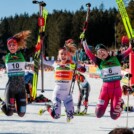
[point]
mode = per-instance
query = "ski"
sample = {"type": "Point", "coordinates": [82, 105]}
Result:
{"type": "Point", "coordinates": [82, 114]}
{"type": "Point", "coordinates": [41, 111]}
{"type": "Point", "coordinates": [130, 34]}
{"type": "Point", "coordinates": [125, 19]}
{"type": "Point", "coordinates": [44, 109]}
{"type": "Point", "coordinates": [42, 24]}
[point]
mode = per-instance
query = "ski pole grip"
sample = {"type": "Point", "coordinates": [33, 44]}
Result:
{"type": "Point", "coordinates": [88, 5]}
{"type": "Point", "coordinates": [35, 2]}
{"type": "Point", "coordinates": [41, 3]}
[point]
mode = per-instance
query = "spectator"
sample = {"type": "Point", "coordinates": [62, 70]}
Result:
{"type": "Point", "coordinates": [121, 131]}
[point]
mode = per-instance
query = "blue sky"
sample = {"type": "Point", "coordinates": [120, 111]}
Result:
{"type": "Point", "coordinates": [12, 7]}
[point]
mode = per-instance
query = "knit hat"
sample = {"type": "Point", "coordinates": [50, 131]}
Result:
{"type": "Point", "coordinates": [124, 40]}
{"type": "Point", "coordinates": [100, 46]}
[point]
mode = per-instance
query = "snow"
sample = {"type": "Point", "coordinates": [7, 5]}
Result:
{"type": "Point", "coordinates": [45, 124]}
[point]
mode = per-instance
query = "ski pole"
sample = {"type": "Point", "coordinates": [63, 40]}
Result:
{"type": "Point", "coordinates": [41, 32]}
{"type": "Point", "coordinates": [84, 30]}
{"type": "Point", "coordinates": [87, 17]}
{"type": "Point", "coordinates": [86, 22]}
{"type": "Point", "coordinates": [128, 76]}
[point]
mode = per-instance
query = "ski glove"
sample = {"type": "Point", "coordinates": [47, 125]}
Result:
{"type": "Point", "coordinates": [72, 66]}
{"type": "Point", "coordinates": [82, 36]}
{"type": "Point", "coordinates": [81, 69]}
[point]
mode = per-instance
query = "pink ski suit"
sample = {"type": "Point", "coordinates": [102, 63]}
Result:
{"type": "Point", "coordinates": [111, 88]}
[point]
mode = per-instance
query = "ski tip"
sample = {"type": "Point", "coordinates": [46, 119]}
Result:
{"type": "Point", "coordinates": [40, 112]}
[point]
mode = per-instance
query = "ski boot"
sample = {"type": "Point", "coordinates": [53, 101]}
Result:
{"type": "Point", "coordinates": [42, 98]}
{"type": "Point", "coordinates": [68, 119]}
{"type": "Point", "coordinates": [130, 108]}
{"type": "Point", "coordinates": [84, 111]}
{"type": "Point", "coordinates": [122, 104]}
{"type": "Point", "coordinates": [77, 111]}
{"type": "Point", "coordinates": [2, 106]}
{"type": "Point", "coordinates": [2, 103]}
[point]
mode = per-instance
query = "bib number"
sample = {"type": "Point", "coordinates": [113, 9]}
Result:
{"type": "Point", "coordinates": [110, 70]}
{"type": "Point", "coordinates": [15, 65]}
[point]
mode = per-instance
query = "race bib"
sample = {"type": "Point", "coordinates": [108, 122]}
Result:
{"type": "Point", "coordinates": [111, 74]}
{"type": "Point", "coordinates": [15, 68]}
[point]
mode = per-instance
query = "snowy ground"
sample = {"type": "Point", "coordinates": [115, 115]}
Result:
{"type": "Point", "coordinates": [33, 123]}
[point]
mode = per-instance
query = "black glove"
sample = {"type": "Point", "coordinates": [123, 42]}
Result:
{"type": "Point", "coordinates": [132, 43]}
{"type": "Point", "coordinates": [81, 69]}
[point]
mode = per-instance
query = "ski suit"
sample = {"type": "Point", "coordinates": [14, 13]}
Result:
{"type": "Point", "coordinates": [111, 89]}
{"type": "Point", "coordinates": [63, 77]}
{"type": "Point", "coordinates": [15, 89]}
{"type": "Point", "coordinates": [83, 91]}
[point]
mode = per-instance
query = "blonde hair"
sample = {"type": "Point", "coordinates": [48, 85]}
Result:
{"type": "Point", "coordinates": [21, 38]}
{"type": "Point", "coordinates": [70, 46]}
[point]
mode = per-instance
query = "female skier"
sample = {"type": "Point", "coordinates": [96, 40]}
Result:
{"type": "Point", "coordinates": [110, 67]}
{"type": "Point", "coordinates": [15, 93]}
{"type": "Point", "coordinates": [64, 70]}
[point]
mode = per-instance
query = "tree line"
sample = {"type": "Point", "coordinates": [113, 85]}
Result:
{"type": "Point", "coordinates": [104, 26]}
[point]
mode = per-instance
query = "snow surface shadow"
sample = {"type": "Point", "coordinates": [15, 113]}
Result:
{"type": "Point", "coordinates": [45, 90]}
{"type": "Point", "coordinates": [105, 129]}
{"type": "Point", "coordinates": [109, 129]}
{"type": "Point", "coordinates": [37, 89]}
{"type": "Point", "coordinates": [32, 121]}
{"type": "Point", "coordinates": [13, 133]}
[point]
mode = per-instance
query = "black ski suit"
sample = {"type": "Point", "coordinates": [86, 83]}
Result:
{"type": "Point", "coordinates": [15, 92]}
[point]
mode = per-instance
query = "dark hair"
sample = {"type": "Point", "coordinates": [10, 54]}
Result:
{"type": "Point", "coordinates": [121, 131]}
